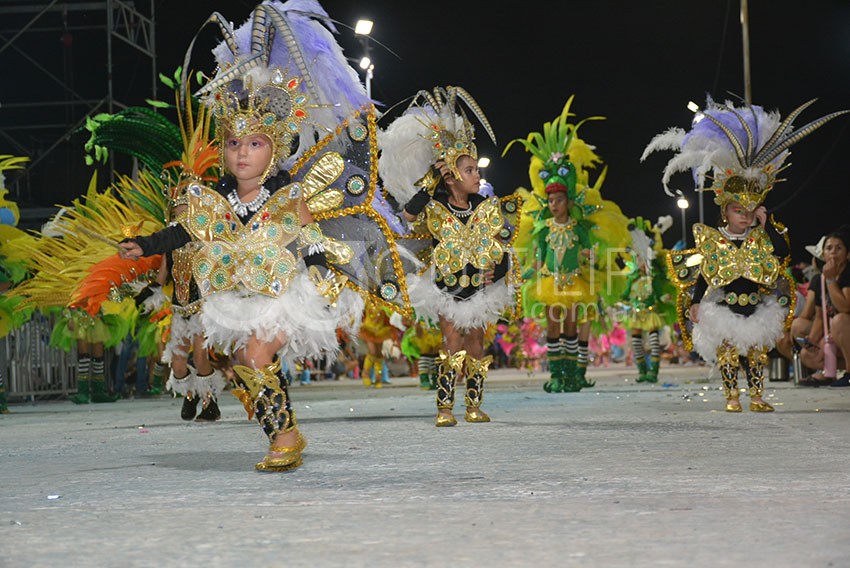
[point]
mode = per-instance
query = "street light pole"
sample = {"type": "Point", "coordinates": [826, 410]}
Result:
{"type": "Point", "coordinates": [745, 36]}
{"type": "Point", "coordinates": [362, 29]}
{"type": "Point", "coordinates": [369, 81]}
{"type": "Point", "coordinates": [683, 204]}
{"type": "Point", "coordinates": [694, 108]}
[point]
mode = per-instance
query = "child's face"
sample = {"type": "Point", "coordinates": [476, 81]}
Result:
{"type": "Point", "coordinates": [470, 178]}
{"type": "Point", "coordinates": [247, 157]}
{"type": "Point", "coordinates": [559, 205]}
{"type": "Point", "coordinates": [738, 218]}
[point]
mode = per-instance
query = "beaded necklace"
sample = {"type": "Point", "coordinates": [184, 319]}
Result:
{"type": "Point", "coordinates": [253, 206]}
{"type": "Point", "coordinates": [460, 213]}
{"type": "Point", "coordinates": [732, 236]}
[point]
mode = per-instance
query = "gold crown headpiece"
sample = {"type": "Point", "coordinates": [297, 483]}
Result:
{"type": "Point", "coordinates": [273, 105]}
{"type": "Point", "coordinates": [452, 134]}
{"type": "Point", "coordinates": [746, 189]}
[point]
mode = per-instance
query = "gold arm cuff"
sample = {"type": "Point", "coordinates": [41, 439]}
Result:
{"type": "Point", "coordinates": [309, 235]}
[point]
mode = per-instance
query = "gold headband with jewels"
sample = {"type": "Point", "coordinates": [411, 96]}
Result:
{"type": "Point", "coordinates": [449, 146]}
{"type": "Point", "coordinates": [275, 108]}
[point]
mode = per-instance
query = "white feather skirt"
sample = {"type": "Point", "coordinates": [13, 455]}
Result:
{"type": "Point", "coordinates": [183, 329]}
{"type": "Point", "coordinates": [717, 324]}
{"type": "Point", "coordinates": [300, 316]}
{"type": "Point", "coordinates": [479, 310]}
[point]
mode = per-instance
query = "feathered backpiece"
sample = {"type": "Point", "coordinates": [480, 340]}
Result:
{"type": "Point", "coordinates": [198, 162]}
{"type": "Point", "coordinates": [740, 149]}
{"type": "Point", "coordinates": [434, 128]}
{"type": "Point", "coordinates": [140, 132]}
{"type": "Point", "coordinates": [646, 240]}
{"type": "Point", "coordinates": [642, 246]}
{"type": "Point", "coordinates": [282, 73]}
{"type": "Point", "coordinates": [559, 156]}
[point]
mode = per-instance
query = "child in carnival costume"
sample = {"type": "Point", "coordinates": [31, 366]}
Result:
{"type": "Point", "coordinates": [375, 330]}
{"type": "Point", "coordinates": [429, 165]}
{"type": "Point", "coordinates": [287, 239]}
{"type": "Point", "coordinates": [184, 154]}
{"type": "Point", "coordinates": [422, 342]}
{"type": "Point", "coordinates": [201, 382]}
{"type": "Point", "coordinates": [734, 285]}
{"type": "Point", "coordinates": [650, 295]}
{"type": "Point", "coordinates": [570, 238]}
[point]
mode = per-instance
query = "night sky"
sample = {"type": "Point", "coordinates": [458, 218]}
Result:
{"type": "Point", "coordinates": [638, 64]}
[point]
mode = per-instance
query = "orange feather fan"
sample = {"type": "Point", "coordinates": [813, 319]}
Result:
{"type": "Point", "coordinates": [108, 275]}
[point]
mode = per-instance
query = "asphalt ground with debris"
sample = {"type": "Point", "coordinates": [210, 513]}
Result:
{"type": "Point", "coordinates": [622, 474]}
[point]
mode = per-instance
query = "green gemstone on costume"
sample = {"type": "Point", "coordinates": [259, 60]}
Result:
{"type": "Point", "coordinates": [389, 290]}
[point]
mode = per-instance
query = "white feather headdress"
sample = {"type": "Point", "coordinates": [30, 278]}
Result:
{"type": "Point", "coordinates": [433, 128]}
{"type": "Point", "coordinates": [740, 149]}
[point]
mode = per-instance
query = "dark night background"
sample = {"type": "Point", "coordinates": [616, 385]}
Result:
{"type": "Point", "coordinates": [638, 64]}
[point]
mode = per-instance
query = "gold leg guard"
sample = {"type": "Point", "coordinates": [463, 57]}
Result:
{"type": "Point", "coordinates": [756, 362]}
{"type": "Point", "coordinates": [727, 362]}
{"type": "Point", "coordinates": [274, 413]}
{"type": "Point", "coordinates": [448, 369]}
{"type": "Point", "coordinates": [476, 372]}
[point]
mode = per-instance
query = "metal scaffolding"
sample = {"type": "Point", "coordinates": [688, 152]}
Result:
{"type": "Point", "coordinates": [40, 104]}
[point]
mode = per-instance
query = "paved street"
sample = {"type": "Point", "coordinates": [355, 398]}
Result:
{"type": "Point", "coordinates": [623, 474]}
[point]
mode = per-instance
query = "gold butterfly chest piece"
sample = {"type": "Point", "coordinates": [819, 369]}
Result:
{"type": "Point", "coordinates": [252, 255]}
{"type": "Point", "coordinates": [723, 261]}
{"type": "Point", "coordinates": [460, 244]}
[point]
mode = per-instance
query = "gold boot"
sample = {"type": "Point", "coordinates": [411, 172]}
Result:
{"type": "Point", "coordinates": [476, 372]}
{"type": "Point", "coordinates": [760, 406]}
{"type": "Point", "coordinates": [368, 363]}
{"type": "Point", "coordinates": [756, 362]}
{"type": "Point", "coordinates": [273, 410]}
{"type": "Point", "coordinates": [444, 420]}
{"type": "Point", "coordinates": [448, 369]}
{"type": "Point", "coordinates": [728, 363]}
{"type": "Point", "coordinates": [289, 458]}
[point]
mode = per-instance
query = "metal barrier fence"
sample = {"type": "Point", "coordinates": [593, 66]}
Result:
{"type": "Point", "coordinates": [32, 367]}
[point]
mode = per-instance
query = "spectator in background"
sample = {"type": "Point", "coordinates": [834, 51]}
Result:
{"type": "Point", "coordinates": [836, 277]}
{"type": "Point", "coordinates": [804, 311]}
